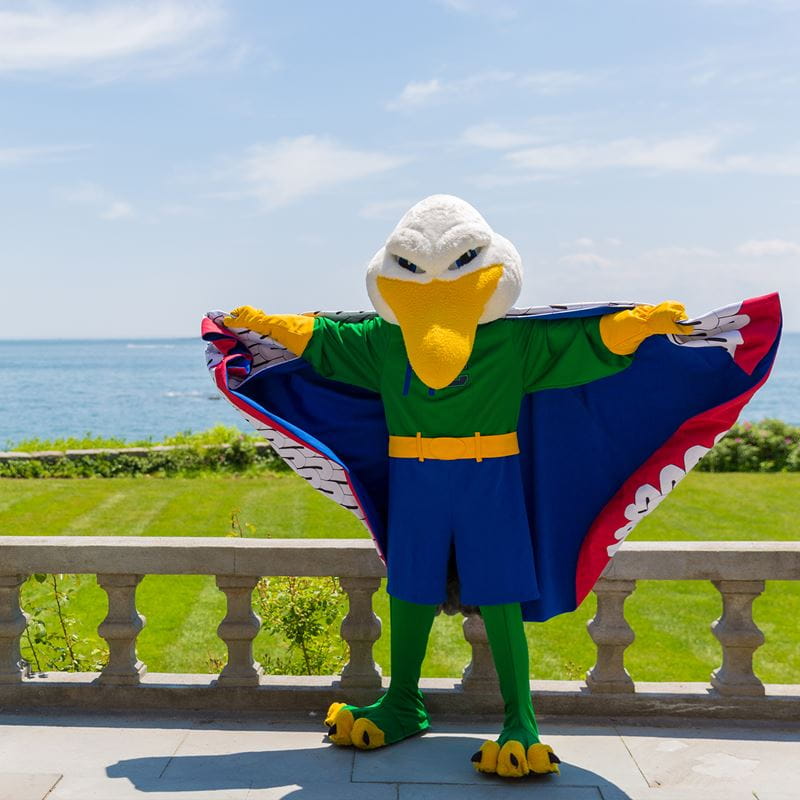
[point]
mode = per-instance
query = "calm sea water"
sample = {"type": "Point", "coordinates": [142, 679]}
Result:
{"type": "Point", "coordinates": [139, 389]}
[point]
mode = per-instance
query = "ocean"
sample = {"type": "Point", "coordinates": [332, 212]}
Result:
{"type": "Point", "coordinates": [135, 389]}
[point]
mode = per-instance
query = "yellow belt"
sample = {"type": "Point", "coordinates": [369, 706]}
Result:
{"type": "Point", "coordinates": [445, 448]}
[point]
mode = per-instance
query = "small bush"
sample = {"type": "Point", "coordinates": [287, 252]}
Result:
{"type": "Point", "coordinates": [51, 642]}
{"type": "Point", "coordinates": [303, 612]}
{"type": "Point", "coordinates": [240, 455]}
{"type": "Point", "coordinates": [767, 446]}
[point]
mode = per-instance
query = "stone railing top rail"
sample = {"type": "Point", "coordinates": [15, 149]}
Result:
{"type": "Point", "coordinates": [163, 555]}
{"type": "Point", "coordinates": [110, 452]}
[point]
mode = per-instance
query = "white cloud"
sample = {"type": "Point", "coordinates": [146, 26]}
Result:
{"type": "Point", "coordinates": [674, 252]}
{"type": "Point", "coordinates": [117, 209]}
{"type": "Point", "coordinates": [482, 8]}
{"type": "Point", "coordinates": [699, 153]}
{"type": "Point", "coordinates": [588, 243]}
{"type": "Point", "coordinates": [769, 247]}
{"type": "Point", "coordinates": [550, 82]}
{"type": "Point", "coordinates": [416, 94]}
{"type": "Point", "coordinates": [104, 203]}
{"type": "Point", "coordinates": [685, 152]}
{"type": "Point", "coordinates": [286, 170]}
{"type": "Point", "coordinates": [36, 36]}
{"type": "Point", "coordinates": [421, 93]}
{"type": "Point", "coordinates": [586, 259]}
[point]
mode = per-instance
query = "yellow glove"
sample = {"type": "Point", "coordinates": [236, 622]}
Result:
{"type": "Point", "coordinates": [293, 331]}
{"type": "Point", "coordinates": [624, 331]}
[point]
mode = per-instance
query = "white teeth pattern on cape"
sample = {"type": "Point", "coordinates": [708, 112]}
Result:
{"type": "Point", "coordinates": [647, 497]}
{"type": "Point", "coordinates": [324, 475]}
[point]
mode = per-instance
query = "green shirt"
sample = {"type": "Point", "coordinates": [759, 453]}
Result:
{"type": "Point", "coordinates": [510, 358]}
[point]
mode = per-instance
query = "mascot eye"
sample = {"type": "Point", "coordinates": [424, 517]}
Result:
{"type": "Point", "coordinates": [406, 264]}
{"type": "Point", "coordinates": [464, 258]}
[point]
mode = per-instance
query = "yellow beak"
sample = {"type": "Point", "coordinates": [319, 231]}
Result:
{"type": "Point", "coordinates": [438, 320]}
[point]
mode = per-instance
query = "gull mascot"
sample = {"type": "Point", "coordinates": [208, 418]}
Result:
{"type": "Point", "coordinates": [510, 449]}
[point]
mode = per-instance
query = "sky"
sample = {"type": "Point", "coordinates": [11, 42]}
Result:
{"type": "Point", "coordinates": [160, 159]}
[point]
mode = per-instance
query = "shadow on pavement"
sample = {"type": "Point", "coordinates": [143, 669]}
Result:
{"type": "Point", "coordinates": [439, 765]}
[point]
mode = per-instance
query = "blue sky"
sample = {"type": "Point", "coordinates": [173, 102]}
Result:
{"type": "Point", "coordinates": [158, 159]}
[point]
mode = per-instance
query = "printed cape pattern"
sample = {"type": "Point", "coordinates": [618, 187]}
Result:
{"type": "Point", "coordinates": [596, 459]}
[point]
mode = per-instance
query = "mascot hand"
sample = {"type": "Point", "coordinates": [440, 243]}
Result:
{"type": "Point", "coordinates": [664, 318]}
{"type": "Point", "coordinates": [624, 331]}
{"type": "Point", "coordinates": [293, 331]}
{"type": "Point", "coordinates": [248, 317]}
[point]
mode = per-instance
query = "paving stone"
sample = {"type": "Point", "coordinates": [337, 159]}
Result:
{"type": "Point", "coordinates": [26, 785]}
{"type": "Point", "coordinates": [259, 759]}
{"type": "Point", "coordinates": [591, 756]}
{"type": "Point", "coordinates": [90, 788]}
{"type": "Point", "coordinates": [88, 747]}
{"type": "Point", "coordinates": [701, 794]}
{"type": "Point", "coordinates": [777, 795]}
{"type": "Point", "coordinates": [513, 791]}
{"type": "Point", "coordinates": [324, 791]}
{"type": "Point", "coordinates": [718, 760]}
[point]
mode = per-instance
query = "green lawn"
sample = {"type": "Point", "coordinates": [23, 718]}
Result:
{"type": "Point", "coordinates": [671, 619]}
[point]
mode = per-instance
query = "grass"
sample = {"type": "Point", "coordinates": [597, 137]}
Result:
{"type": "Point", "coordinates": [671, 619]}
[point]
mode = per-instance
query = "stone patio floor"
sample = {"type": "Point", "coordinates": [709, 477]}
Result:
{"type": "Point", "coordinates": [62, 756]}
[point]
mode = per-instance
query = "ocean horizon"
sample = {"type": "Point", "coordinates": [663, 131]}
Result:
{"type": "Point", "coordinates": [151, 388]}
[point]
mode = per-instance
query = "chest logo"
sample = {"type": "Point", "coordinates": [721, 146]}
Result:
{"type": "Point", "coordinates": [461, 380]}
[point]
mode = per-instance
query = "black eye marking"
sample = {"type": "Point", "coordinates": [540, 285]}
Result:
{"type": "Point", "coordinates": [464, 259]}
{"type": "Point", "coordinates": [406, 264]}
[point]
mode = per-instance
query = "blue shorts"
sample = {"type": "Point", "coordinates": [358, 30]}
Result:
{"type": "Point", "coordinates": [474, 509]}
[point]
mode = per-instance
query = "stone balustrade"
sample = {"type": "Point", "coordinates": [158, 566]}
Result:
{"type": "Point", "coordinates": [738, 570]}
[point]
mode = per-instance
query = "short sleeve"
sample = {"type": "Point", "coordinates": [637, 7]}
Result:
{"type": "Point", "coordinates": [350, 352]}
{"type": "Point", "coordinates": [557, 354]}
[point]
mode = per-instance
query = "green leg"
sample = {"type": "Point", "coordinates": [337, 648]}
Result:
{"type": "Point", "coordinates": [510, 653]}
{"type": "Point", "coordinates": [518, 750]}
{"type": "Point", "coordinates": [401, 711]}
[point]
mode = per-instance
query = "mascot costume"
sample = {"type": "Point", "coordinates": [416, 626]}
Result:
{"type": "Point", "coordinates": [506, 452]}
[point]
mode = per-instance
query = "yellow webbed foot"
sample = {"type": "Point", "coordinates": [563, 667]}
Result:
{"type": "Point", "coordinates": [512, 761]}
{"type": "Point", "coordinates": [340, 732]}
{"type": "Point", "coordinates": [542, 760]}
{"type": "Point", "coordinates": [485, 760]}
{"type": "Point", "coordinates": [333, 710]}
{"type": "Point", "coordinates": [366, 735]}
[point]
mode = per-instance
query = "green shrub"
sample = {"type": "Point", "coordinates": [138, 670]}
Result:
{"type": "Point", "coordinates": [219, 434]}
{"type": "Point", "coordinates": [240, 456]}
{"type": "Point", "coordinates": [302, 611]}
{"type": "Point", "coordinates": [51, 641]}
{"type": "Point", "coordinates": [767, 446]}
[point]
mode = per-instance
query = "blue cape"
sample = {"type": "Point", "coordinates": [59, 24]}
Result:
{"type": "Point", "coordinates": [595, 458]}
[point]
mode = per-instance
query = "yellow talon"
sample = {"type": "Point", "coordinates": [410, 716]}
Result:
{"type": "Point", "coordinates": [342, 729]}
{"type": "Point", "coordinates": [366, 735]}
{"type": "Point", "coordinates": [330, 717]}
{"type": "Point", "coordinates": [542, 760]}
{"type": "Point", "coordinates": [512, 761]}
{"type": "Point", "coordinates": [485, 760]}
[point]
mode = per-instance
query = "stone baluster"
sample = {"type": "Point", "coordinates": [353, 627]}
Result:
{"type": "Point", "coordinates": [361, 629]}
{"type": "Point", "coordinates": [12, 624]}
{"type": "Point", "coordinates": [611, 633]}
{"type": "Point", "coordinates": [739, 636]}
{"type": "Point", "coordinates": [480, 674]}
{"type": "Point", "coordinates": [240, 626]}
{"type": "Point", "coordinates": [120, 629]}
